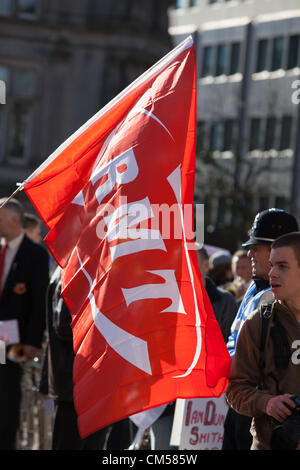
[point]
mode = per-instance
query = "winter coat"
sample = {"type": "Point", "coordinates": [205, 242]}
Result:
{"type": "Point", "coordinates": [250, 385]}
{"type": "Point", "coordinates": [57, 367]}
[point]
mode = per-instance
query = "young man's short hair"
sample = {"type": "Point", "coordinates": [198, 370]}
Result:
{"type": "Point", "coordinates": [289, 239]}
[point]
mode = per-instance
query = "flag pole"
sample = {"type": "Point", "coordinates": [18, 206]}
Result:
{"type": "Point", "coordinates": [11, 196]}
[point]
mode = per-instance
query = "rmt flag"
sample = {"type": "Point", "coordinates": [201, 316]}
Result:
{"type": "Point", "coordinates": [143, 328]}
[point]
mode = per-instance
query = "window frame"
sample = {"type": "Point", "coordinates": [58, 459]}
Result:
{"type": "Point", "coordinates": [219, 138]}
{"type": "Point", "coordinates": [238, 61]}
{"type": "Point", "coordinates": [259, 120]}
{"type": "Point", "coordinates": [12, 98]}
{"type": "Point", "coordinates": [223, 68]}
{"type": "Point", "coordinates": [21, 159]}
{"type": "Point", "coordinates": [267, 61]}
{"type": "Point", "coordinates": [270, 131]}
{"type": "Point", "coordinates": [213, 67]}
{"type": "Point", "coordinates": [272, 56]}
{"type": "Point", "coordinates": [289, 38]}
{"type": "Point", "coordinates": [282, 132]}
{"type": "Point", "coordinates": [270, 64]}
{"type": "Point", "coordinates": [228, 145]}
{"type": "Point", "coordinates": [15, 11]}
{"type": "Point", "coordinates": [8, 14]}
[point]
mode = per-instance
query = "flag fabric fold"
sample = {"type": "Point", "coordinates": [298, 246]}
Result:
{"type": "Point", "coordinates": [112, 196]}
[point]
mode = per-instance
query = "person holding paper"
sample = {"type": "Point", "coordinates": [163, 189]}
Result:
{"type": "Point", "coordinates": [24, 277]}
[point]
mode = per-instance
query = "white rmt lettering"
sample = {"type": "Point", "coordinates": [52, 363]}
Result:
{"type": "Point", "coordinates": [122, 169]}
{"type": "Point", "coordinates": [168, 290]}
{"type": "Point", "coordinates": [128, 346]}
{"type": "Point", "coordinates": [128, 215]}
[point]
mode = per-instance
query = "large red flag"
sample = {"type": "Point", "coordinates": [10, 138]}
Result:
{"type": "Point", "coordinates": [143, 327]}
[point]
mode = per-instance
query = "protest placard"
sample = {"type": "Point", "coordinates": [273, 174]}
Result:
{"type": "Point", "coordinates": [199, 423]}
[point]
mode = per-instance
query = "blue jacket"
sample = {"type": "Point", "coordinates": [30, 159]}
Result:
{"type": "Point", "coordinates": [255, 292]}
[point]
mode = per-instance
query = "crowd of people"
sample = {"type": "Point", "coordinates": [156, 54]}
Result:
{"type": "Point", "coordinates": [255, 296]}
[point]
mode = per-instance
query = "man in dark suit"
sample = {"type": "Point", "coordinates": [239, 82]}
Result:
{"type": "Point", "coordinates": [24, 277]}
{"type": "Point", "coordinates": [57, 375]}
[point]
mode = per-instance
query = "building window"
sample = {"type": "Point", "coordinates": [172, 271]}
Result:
{"type": "Point", "coordinates": [119, 73]}
{"type": "Point", "coordinates": [21, 8]}
{"type": "Point", "coordinates": [181, 3]}
{"type": "Point", "coordinates": [222, 59]}
{"type": "Point", "coordinates": [271, 53]}
{"type": "Point", "coordinates": [286, 132]}
{"type": "Point", "coordinates": [23, 83]}
{"type": "Point", "coordinates": [263, 203]}
{"type": "Point", "coordinates": [262, 55]}
{"type": "Point", "coordinates": [221, 135]}
{"type": "Point", "coordinates": [222, 210]}
{"type": "Point", "coordinates": [19, 127]}
{"type": "Point", "coordinates": [18, 115]}
{"type": "Point", "coordinates": [27, 8]}
{"type": "Point", "coordinates": [112, 79]}
{"type": "Point", "coordinates": [293, 52]}
{"type": "Point", "coordinates": [5, 7]}
{"type": "Point", "coordinates": [216, 135]}
{"type": "Point", "coordinates": [270, 134]}
{"type": "Point", "coordinates": [208, 61]}
{"type": "Point", "coordinates": [234, 58]}
{"type": "Point", "coordinates": [1, 121]}
{"type": "Point", "coordinates": [4, 74]}
{"type": "Point", "coordinates": [277, 53]}
{"type": "Point", "coordinates": [228, 135]}
{"type": "Point", "coordinates": [201, 125]}
{"type": "Point", "coordinates": [281, 202]}
{"type": "Point", "coordinates": [255, 129]}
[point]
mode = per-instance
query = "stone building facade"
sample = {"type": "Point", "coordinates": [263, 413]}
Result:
{"type": "Point", "coordinates": [63, 60]}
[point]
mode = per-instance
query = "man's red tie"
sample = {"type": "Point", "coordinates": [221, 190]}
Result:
{"type": "Point", "coordinates": [2, 259]}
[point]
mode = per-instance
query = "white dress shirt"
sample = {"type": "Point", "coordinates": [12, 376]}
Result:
{"type": "Point", "coordinates": [12, 248]}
